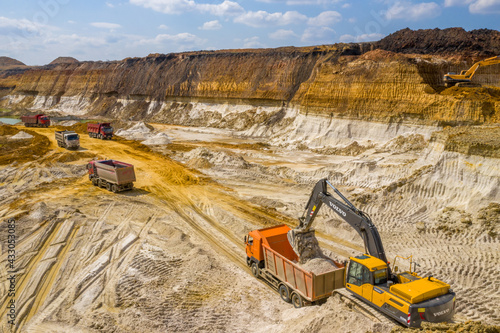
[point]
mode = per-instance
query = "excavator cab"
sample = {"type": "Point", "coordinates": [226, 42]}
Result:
{"type": "Point", "coordinates": [365, 276]}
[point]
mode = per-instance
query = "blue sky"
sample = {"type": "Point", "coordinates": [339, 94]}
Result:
{"type": "Point", "coordinates": [38, 31]}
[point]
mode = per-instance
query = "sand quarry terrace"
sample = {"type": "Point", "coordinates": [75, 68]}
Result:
{"type": "Point", "coordinates": [169, 255]}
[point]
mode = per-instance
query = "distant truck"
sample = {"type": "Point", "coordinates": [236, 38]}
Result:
{"type": "Point", "coordinates": [113, 175]}
{"type": "Point", "coordinates": [101, 131]}
{"type": "Point", "coordinates": [68, 139]}
{"type": "Point", "coordinates": [271, 257]}
{"type": "Point", "coordinates": [39, 120]}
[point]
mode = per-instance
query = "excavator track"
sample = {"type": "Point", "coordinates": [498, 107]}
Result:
{"type": "Point", "coordinates": [364, 308]}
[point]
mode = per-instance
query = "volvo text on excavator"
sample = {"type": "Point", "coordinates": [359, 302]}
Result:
{"type": "Point", "coordinates": [465, 76]}
{"type": "Point", "coordinates": [403, 296]}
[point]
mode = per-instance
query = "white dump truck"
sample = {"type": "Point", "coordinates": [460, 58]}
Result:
{"type": "Point", "coordinates": [68, 139]}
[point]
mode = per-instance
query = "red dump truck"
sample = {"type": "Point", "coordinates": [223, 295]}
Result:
{"type": "Point", "coordinates": [39, 120]}
{"type": "Point", "coordinates": [113, 175]}
{"type": "Point", "coordinates": [271, 257]}
{"type": "Point", "coordinates": [101, 131]}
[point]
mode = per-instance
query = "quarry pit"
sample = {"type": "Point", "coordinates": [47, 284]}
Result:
{"type": "Point", "coordinates": [212, 165]}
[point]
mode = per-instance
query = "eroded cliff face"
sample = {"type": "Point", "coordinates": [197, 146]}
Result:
{"type": "Point", "coordinates": [333, 81]}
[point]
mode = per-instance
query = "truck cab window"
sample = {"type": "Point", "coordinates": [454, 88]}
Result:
{"type": "Point", "coordinates": [250, 240]}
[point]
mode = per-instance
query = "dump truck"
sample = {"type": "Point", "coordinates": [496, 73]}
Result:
{"type": "Point", "coordinates": [271, 257]}
{"type": "Point", "coordinates": [101, 131]}
{"type": "Point", "coordinates": [67, 139]}
{"type": "Point", "coordinates": [39, 120]}
{"type": "Point", "coordinates": [403, 296]}
{"type": "Point", "coordinates": [113, 175]}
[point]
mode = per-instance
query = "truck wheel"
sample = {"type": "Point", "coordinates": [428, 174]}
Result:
{"type": "Point", "coordinates": [284, 293]}
{"type": "Point", "coordinates": [297, 301]}
{"type": "Point", "coordinates": [114, 188]}
{"type": "Point", "coordinates": [108, 186]}
{"type": "Point", "coordinates": [95, 182]}
{"type": "Point", "coordinates": [102, 183]}
{"type": "Point", "coordinates": [255, 270]}
{"type": "Point", "coordinates": [249, 262]}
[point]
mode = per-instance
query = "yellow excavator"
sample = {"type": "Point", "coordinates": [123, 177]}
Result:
{"type": "Point", "coordinates": [403, 296]}
{"type": "Point", "coordinates": [465, 76]}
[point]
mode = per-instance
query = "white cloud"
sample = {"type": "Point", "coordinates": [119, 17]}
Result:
{"type": "Point", "coordinates": [211, 25]}
{"type": "Point", "coordinates": [166, 6]}
{"type": "Point", "coordinates": [163, 27]}
{"type": "Point", "coordinates": [485, 7]}
{"type": "Point", "coordinates": [264, 19]}
{"type": "Point", "coordinates": [179, 42]}
{"type": "Point", "coordinates": [413, 12]}
{"type": "Point", "coordinates": [75, 40]}
{"type": "Point", "coordinates": [346, 5]}
{"type": "Point", "coordinates": [105, 25]}
{"type": "Point", "coordinates": [477, 6]}
{"type": "Point", "coordinates": [181, 37]}
{"type": "Point", "coordinates": [110, 5]}
{"type": "Point", "coordinates": [325, 19]}
{"type": "Point", "coordinates": [352, 20]}
{"type": "Point", "coordinates": [226, 8]}
{"type": "Point", "coordinates": [282, 34]}
{"type": "Point", "coordinates": [22, 27]}
{"type": "Point", "coordinates": [361, 38]}
{"type": "Point", "coordinates": [324, 35]}
{"type": "Point", "coordinates": [303, 2]}
{"type": "Point", "coordinates": [450, 3]}
{"type": "Point", "coordinates": [252, 42]}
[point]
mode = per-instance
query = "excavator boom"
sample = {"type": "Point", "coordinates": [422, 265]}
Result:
{"type": "Point", "coordinates": [466, 76]}
{"type": "Point", "coordinates": [345, 210]}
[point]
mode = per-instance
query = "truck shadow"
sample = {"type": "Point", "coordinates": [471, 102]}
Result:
{"type": "Point", "coordinates": [136, 192]}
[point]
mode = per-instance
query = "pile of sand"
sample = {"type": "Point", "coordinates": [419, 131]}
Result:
{"type": "Point", "coordinates": [403, 144]}
{"type": "Point", "coordinates": [21, 136]}
{"type": "Point", "coordinates": [216, 158]}
{"type": "Point", "coordinates": [137, 132]}
{"type": "Point", "coordinates": [157, 139]}
{"type": "Point", "coordinates": [319, 265]}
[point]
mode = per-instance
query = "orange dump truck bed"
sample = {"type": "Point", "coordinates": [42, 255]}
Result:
{"type": "Point", "coordinates": [279, 265]}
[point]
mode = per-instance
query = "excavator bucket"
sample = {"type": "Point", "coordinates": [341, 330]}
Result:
{"type": "Point", "coordinates": [304, 243]}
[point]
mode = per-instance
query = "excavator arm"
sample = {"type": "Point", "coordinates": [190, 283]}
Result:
{"type": "Point", "coordinates": [466, 76]}
{"type": "Point", "coordinates": [360, 221]}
